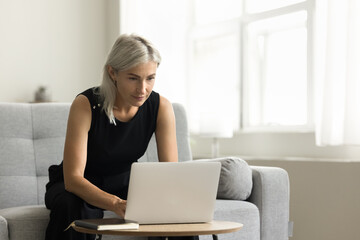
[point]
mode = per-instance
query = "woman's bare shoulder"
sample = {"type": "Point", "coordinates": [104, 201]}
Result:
{"type": "Point", "coordinates": [166, 111]}
{"type": "Point", "coordinates": [165, 103]}
{"type": "Point", "coordinates": [80, 111]}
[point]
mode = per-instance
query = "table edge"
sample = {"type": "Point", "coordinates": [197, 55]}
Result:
{"type": "Point", "coordinates": [131, 232]}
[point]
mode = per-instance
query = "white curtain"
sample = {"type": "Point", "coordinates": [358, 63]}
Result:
{"type": "Point", "coordinates": [339, 69]}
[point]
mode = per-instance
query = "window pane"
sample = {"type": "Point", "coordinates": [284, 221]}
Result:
{"type": "Point", "coordinates": [214, 86]}
{"type": "Point", "coordinates": [210, 11]}
{"type": "Point", "coordinates": [277, 71]}
{"type": "Point", "coordinates": [285, 98]}
{"type": "Point", "coordinates": [255, 6]}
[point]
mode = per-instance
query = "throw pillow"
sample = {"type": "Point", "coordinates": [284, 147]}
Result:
{"type": "Point", "coordinates": [235, 178]}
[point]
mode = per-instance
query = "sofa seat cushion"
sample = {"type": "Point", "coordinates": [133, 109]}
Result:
{"type": "Point", "coordinates": [26, 222]}
{"type": "Point", "coordinates": [3, 229]}
{"type": "Point", "coordinates": [238, 211]}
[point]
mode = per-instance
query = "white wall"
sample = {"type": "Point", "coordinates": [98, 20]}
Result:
{"type": "Point", "coordinates": [324, 198]}
{"type": "Point", "coordinates": [60, 44]}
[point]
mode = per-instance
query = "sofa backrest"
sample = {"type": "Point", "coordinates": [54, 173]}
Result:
{"type": "Point", "coordinates": [32, 138]}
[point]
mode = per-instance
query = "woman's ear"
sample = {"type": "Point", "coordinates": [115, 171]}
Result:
{"type": "Point", "coordinates": [111, 72]}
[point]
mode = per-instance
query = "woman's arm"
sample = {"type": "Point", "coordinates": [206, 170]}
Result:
{"type": "Point", "coordinates": [166, 132]}
{"type": "Point", "coordinates": [75, 154]}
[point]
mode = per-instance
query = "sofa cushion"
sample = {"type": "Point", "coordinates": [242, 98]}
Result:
{"type": "Point", "coordinates": [18, 190]}
{"type": "Point", "coordinates": [238, 211]}
{"type": "Point", "coordinates": [26, 222]}
{"type": "Point", "coordinates": [15, 121]}
{"type": "Point", "coordinates": [3, 229]}
{"type": "Point", "coordinates": [235, 178]}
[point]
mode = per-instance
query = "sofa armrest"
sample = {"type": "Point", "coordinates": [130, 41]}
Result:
{"type": "Point", "coordinates": [4, 233]}
{"type": "Point", "coordinates": [271, 194]}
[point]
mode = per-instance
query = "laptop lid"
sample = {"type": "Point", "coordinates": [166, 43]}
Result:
{"type": "Point", "coordinates": [165, 192]}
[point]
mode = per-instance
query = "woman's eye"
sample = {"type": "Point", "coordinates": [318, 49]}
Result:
{"type": "Point", "coordinates": [132, 78]}
{"type": "Point", "coordinates": [151, 78]}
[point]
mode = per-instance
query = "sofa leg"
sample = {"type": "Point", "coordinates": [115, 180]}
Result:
{"type": "Point", "coordinates": [215, 237]}
{"type": "Point", "coordinates": [98, 237]}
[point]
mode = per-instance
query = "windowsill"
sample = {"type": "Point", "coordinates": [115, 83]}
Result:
{"type": "Point", "coordinates": [275, 130]}
{"type": "Point", "coordinates": [287, 146]}
{"type": "Point", "coordinates": [249, 159]}
{"type": "Point", "coordinates": [298, 159]}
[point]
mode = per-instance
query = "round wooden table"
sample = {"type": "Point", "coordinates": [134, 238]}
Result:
{"type": "Point", "coordinates": [171, 230]}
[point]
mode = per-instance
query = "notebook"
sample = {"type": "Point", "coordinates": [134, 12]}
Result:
{"type": "Point", "coordinates": [101, 224]}
{"type": "Point", "coordinates": [165, 192]}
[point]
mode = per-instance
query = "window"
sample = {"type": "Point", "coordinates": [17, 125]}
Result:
{"type": "Point", "coordinates": [271, 76]}
{"type": "Point", "coordinates": [277, 85]}
{"type": "Point", "coordinates": [247, 62]}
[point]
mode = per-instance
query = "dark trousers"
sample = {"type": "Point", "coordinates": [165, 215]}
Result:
{"type": "Point", "coordinates": [65, 208]}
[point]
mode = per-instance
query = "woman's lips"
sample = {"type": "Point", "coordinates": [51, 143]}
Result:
{"type": "Point", "coordinates": [139, 98]}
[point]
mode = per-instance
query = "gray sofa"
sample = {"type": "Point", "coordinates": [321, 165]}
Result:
{"type": "Point", "coordinates": [32, 138]}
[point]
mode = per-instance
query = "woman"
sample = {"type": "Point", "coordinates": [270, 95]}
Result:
{"type": "Point", "coordinates": [109, 128]}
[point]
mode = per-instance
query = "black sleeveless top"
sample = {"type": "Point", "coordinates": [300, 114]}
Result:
{"type": "Point", "coordinates": [113, 148]}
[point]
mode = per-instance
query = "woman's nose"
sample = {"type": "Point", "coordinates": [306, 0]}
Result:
{"type": "Point", "coordinates": [141, 87]}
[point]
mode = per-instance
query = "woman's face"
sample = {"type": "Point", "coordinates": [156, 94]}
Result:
{"type": "Point", "coordinates": [135, 84]}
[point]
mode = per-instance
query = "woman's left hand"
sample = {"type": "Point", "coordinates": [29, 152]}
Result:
{"type": "Point", "coordinates": [119, 207]}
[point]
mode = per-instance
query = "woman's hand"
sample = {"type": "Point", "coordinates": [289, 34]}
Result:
{"type": "Point", "coordinates": [120, 207]}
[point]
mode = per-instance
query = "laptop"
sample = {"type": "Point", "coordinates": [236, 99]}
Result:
{"type": "Point", "coordinates": [168, 192]}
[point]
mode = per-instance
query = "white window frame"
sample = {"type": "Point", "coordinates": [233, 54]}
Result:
{"type": "Point", "coordinates": [246, 19]}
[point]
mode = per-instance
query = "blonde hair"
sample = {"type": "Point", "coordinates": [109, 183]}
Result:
{"type": "Point", "coordinates": [128, 51]}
